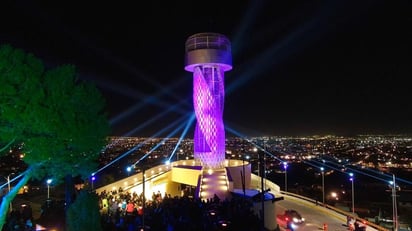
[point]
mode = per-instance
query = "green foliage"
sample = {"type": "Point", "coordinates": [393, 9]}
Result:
{"type": "Point", "coordinates": [59, 119]}
{"type": "Point", "coordinates": [83, 214]}
{"type": "Point", "coordinates": [20, 85]}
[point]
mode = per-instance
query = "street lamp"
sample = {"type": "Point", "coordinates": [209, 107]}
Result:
{"type": "Point", "coordinates": [394, 204]}
{"type": "Point", "coordinates": [262, 197]}
{"type": "Point", "coordinates": [128, 170]}
{"type": "Point", "coordinates": [353, 193]}
{"type": "Point", "coordinates": [323, 185]}
{"type": "Point", "coordinates": [93, 178]}
{"type": "Point", "coordinates": [285, 166]}
{"type": "Point", "coordinates": [244, 175]}
{"type": "Point", "coordinates": [177, 155]}
{"type": "Point", "coordinates": [48, 188]}
{"type": "Point", "coordinates": [8, 184]}
{"type": "Point", "coordinates": [258, 166]}
{"type": "Point", "coordinates": [144, 197]}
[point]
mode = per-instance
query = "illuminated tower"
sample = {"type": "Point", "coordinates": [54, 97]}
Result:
{"type": "Point", "coordinates": [208, 56]}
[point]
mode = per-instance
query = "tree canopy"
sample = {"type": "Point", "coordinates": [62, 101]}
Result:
{"type": "Point", "coordinates": [84, 214]}
{"type": "Point", "coordinates": [59, 120]}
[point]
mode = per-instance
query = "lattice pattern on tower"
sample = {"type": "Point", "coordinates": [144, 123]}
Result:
{"type": "Point", "coordinates": [208, 56]}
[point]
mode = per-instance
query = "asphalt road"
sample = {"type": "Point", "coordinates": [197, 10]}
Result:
{"type": "Point", "coordinates": [315, 216]}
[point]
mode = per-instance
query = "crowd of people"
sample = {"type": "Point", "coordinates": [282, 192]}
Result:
{"type": "Point", "coordinates": [20, 220]}
{"type": "Point", "coordinates": [124, 211]}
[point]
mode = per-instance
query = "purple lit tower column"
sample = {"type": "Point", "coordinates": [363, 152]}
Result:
{"type": "Point", "coordinates": [208, 56]}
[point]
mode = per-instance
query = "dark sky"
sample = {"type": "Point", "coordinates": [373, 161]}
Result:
{"type": "Point", "coordinates": [299, 67]}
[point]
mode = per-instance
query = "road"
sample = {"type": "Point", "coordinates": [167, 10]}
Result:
{"type": "Point", "coordinates": [315, 216]}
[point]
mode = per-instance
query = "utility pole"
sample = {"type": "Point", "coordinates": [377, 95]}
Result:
{"type": "Point", "coordinates": [144, 198]}
{"type": "Point", "coordinates": [8, 184]}
{"type": "Point", "coordinates": [394, 204]}
{"type": "Point", "coordinates": [262, 198]}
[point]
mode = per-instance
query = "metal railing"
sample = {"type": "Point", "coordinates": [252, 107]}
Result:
{"type": "Point", "coordinates": [343, 213]}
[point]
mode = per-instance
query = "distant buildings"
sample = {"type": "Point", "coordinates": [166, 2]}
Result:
{"type": "Point", "coordinates": [379, 152]}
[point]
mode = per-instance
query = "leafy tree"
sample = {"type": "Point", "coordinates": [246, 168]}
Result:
{"type": "Point", "coordinates": [84, 213]}
{"type": "Point", "coordinates": [57, 119]}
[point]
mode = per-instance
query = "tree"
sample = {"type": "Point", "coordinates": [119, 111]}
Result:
{"type": "Point", "coordinates": [58, 119]}
{"type": "Point", "coordinates": [84, 213]}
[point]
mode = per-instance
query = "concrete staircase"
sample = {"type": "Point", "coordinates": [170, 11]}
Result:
{"type": "Point", "coordinates": [214, 181]}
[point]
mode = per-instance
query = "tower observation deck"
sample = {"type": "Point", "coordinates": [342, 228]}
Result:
{"type": "Point", "coordinates": [208, 56]}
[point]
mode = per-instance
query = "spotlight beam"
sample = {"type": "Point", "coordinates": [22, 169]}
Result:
{"type": "Point", "coordinates": [134, 94]}
{"type": "Point", "coordinates": [379, 174]}
{"type": "Point", "coordinates": [159, 144]}
{"type": "Point", "coordinates": [12, 180]}
{"type": "Point", "coordinates": [141, 144]}
{"type": "Point", "coordinates": [234, 132]}
{"type": "Point", "coordinates": [85, 44]}
{"type": "Point", "coordinates": [318, 164]}
{"type": "Point", "coordinates": [351, 169]}
{"type": "Point", "coordinates": [281, 50]}
{"type": "Point", "coordinates": [247, 21]}
{"type": "Point", "coordinates": [151, 120]}
{"type": "Point", "coordinates": [189, 123]}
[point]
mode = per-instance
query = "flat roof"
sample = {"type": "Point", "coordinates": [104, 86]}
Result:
{"type": "Point", "coordinates": [253, 193]}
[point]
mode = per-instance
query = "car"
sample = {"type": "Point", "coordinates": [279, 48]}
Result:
{"type": "Point", "coordinates": [293, 216]}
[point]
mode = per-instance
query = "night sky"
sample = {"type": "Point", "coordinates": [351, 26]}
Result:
{"type": "Point", "coordinates": [299, 67]}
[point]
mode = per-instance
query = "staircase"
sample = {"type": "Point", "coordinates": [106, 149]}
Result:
{"type": "Point", "coordinates": [214, 181]}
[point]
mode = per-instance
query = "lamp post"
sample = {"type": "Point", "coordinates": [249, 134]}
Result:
{"type": "Point", "coordinates": [285, 167]}
{"type": "Point", "coordinates": [8, 185]}
{"type": "Point", "coordinates": [255, 151]}
{"type": "Point", "coordinates": [93, 178]}
{"type": "Point", "coordinates": [48, 188]}
{"type": "Point", "coordinates": [177, 154]}
{"type": "Point", "coordinates": [244, 175]}
{"type": "Point", "coordinates": [128, 169]}
{"type": "Point", "coordinates": [144, 198]}
{"type": "Point", "coordinates": [323, 185]}
{"type": "Point", "coordinates": [262, 196]}
{"type": "Point", "coordinates": [353, 193]}
{"type": "Point", "coordinates": [394, 204]}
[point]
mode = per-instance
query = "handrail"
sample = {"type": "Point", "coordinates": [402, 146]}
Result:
{"type": "Point", "coordinates": [342, 212]}
{"type": "Point", "coordinates": [339, 211]}
{"type": "Point", "coordinates": [229, 180]}
{"type": "Point", "coordinates": [199, 186]}
{"type": "Point", "coordinates": [208, 41]}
